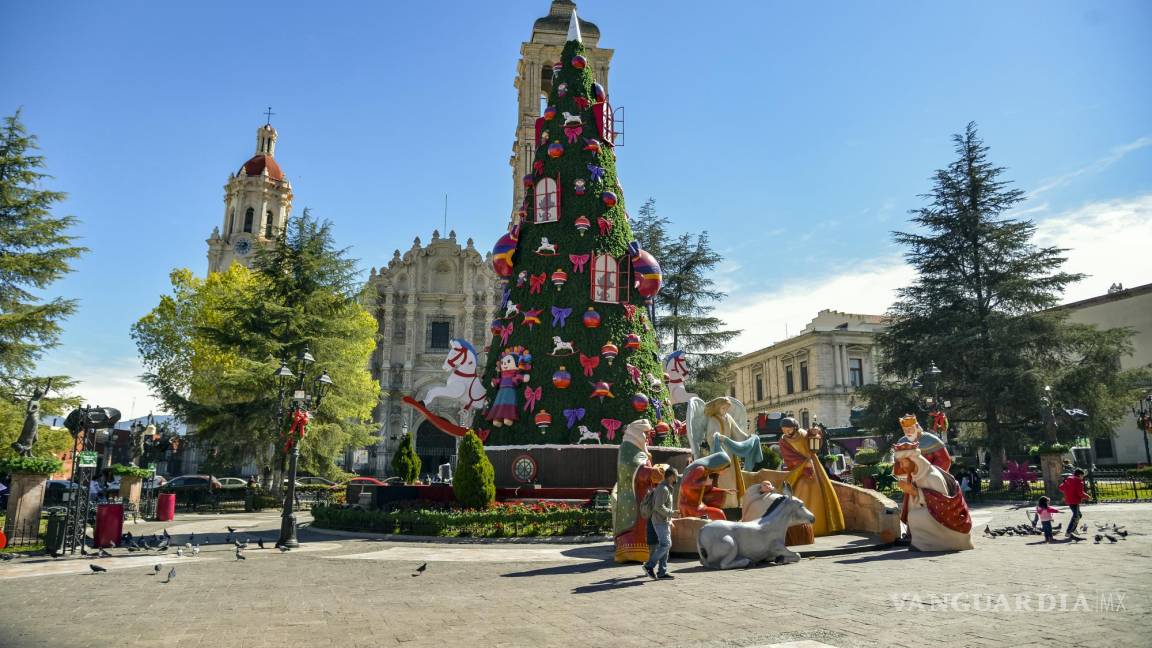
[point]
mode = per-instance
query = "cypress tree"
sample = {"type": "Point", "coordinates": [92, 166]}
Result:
{"type": "Point", "coordinates": [557, 297]}
{"type": "Point", "coordinates": [406, 463]}
{"type": "Point", "coordinates": [475, 480]}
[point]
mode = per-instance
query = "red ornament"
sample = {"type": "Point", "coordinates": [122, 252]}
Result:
{"type": "Point", "coordinates": [555, 150]}
{"type": "Point", "coordinates": [559, 278]}
{"type": "Point", "coordinates": [582, 224]}
{"type": "Point", "coordinates": [503, 252]}
{"type": "Point", "coordinates": [632, 341]}
{"type": "Point", "coordinates": [591, 318]}
{"type": "Point", "coordinates": [579, 62]}
{"type": "Point", "coordinates": [561, 379]}
{"type": "Point", "coordinates": [639, 402]}
{"type": "Point", "coordinates": [528, 180]}
{"type": "Point", "coordinates": [609, 352]}
{"type": "Point", "coordinates": [608, 197]}
{"type": "Point", "coordinates": [550, 113]}
{"type": "Point", "coordinates": [662, 428]}
{"type": "Point", "coordinates": [543, 420]}
{"type": "Point", "coordinates": [592, 145]}
{"type": "Point", "coordinates": [602, 390]}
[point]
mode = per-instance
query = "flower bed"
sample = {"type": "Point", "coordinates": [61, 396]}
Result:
{"type": "Point", "coordinates": [502, 520]}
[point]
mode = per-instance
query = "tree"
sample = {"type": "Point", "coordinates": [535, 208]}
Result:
{"type": "Point", "coordinates": [683, 309]}
{"type": "Point", "coordinates": [475, 480]}
{"type": "Point", "coordinates": [35, 250]}
{"type": "Point", "coordinates": [576, 285]}
{"type": "Point", "coordinates": [406, 463]}
{"type": "Point", "coordinates": [980, 304]}
{"type": "Point", "coordinates": [212, 347]}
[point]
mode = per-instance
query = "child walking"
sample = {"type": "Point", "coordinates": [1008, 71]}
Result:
{"type": "Point", "coordinates": [1044, 514]}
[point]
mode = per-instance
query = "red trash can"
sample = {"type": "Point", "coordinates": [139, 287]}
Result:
{"type": "Point", "coordinates": [165, 507]}
{"type": "Point", "coordinates": [109, 525]}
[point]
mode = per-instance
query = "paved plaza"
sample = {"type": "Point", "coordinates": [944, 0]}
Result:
{"type": "Point", "coordinates": [345, 591]}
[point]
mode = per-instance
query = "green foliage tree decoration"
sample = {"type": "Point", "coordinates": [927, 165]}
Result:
{"type": "Point", "coordinates": [475, 481]}
{"type": "Point", "coordinates": [406, 463]}
{"type": "Point", "coordinates": [612, 374]}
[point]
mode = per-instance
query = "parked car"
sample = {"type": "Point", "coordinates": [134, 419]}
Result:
{"type": "Point", "coordinates": [229, 483]}
{"type": "Point", "coordinates": [193, 490]}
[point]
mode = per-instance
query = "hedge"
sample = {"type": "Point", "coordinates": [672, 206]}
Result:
{"type": "Point", "coordinates": [867, 456]}
{"type": "Point", "coordinates": [500, 521]}
{"type": "Point", "coordinates": [34, 465]}
{"type": "Point", "coordinates": [130, 471]}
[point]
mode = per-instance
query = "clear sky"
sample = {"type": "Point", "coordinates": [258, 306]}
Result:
{"type": "Point", "coordinates": [798, 134]}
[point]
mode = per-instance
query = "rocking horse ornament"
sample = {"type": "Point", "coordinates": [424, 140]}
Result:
{"type": "Point", "coordinates": [676, 368]}
{"type": "Point", "coordinates": [463, 387]}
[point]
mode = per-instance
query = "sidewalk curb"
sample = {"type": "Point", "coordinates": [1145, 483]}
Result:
{"type": "Point", "coordinates": [391, 537]}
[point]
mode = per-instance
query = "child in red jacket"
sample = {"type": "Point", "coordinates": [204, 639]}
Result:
{"type": "Point", "coordinates": [1074, 495]}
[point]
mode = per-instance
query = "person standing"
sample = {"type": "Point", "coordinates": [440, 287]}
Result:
{"type": "Point", "coordinates": [661, 520]}
{"type": "Point", "coordinates": [1074, 494]}
{"type": "Point", "coordinates": [1044, 514]}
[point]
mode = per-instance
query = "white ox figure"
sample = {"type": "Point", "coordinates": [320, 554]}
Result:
{"type": "Point", "coordinates": [732, 545]}
{"type": "Point", "coordinates": [463, 384]}
{"type": "Point", "coordinates": [676, 370]}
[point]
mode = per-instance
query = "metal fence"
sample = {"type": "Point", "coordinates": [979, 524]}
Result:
{"type": "Point", "coordinates": [26, 536]}
{"type": "Point", "coordinates": [1105, 486]}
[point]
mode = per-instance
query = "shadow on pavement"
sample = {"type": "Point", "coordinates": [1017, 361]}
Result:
{"type": "Point", "coordinates": [610, 584]}
{"type": "Point", "coordinates": [901, 554]}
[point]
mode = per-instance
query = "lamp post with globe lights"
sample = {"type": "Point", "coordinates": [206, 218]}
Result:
{"type": "Point", "coordinates": [301, 405]}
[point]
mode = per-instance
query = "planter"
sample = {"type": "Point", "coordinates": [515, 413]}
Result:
{"type": "Point", "coordinates": [24, 502]}
{"type": "Point", "coordinates": [130, 490]}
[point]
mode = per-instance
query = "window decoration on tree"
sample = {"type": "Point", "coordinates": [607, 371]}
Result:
{"type": "Point", "coordinates": [609, 123]}
{"type": "Point", "coordinates": [609, 279]}
{"type": "Point", "coordinates": [547, 201]}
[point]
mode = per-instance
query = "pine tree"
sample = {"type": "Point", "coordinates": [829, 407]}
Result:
{"type": "Point", "coordinates": [475, 480]}
{"type": "Point", "coordinates": [977, 305]}
{"type": "Point", "coordinates": [405, 462]}
{"type": "Point", "coordinates": [612, 376]}
{"type": "Point", "coordinates": [35, 251]}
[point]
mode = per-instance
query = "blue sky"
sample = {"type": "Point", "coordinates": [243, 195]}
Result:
{"type": "Point", "coordinates": [799, 134]}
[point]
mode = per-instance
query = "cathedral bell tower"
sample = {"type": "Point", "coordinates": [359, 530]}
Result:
{"type": "Point", "coordinates": [257, 201]}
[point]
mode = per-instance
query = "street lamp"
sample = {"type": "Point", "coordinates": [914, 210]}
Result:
{"type": "Point", "coordinates": [301, 403]}
{"type": "Point", "coordinates": [1144, 421]}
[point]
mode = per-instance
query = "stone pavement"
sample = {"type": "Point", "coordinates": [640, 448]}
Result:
{"type": "Point", "coordinates": [349, 592]}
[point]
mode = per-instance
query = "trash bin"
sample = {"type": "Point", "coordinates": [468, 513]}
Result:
{"type": "Point", "coordinates": [165, 507]}
{"type": "Point", "coordinates": [54, 535]}
{"type": "Point", "coordinates": [109, 525]}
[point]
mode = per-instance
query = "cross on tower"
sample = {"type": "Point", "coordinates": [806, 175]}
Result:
{"type": "Point", "coordinates": [268, 113]}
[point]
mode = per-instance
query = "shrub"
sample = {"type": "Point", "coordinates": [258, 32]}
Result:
{"type": "Point", "coordinates": [867, 456]}
{"type": "Point", "coordinates": [130, 471]}
{"type": "Point", "coordinates": [475, 480]}
{"type": "Point", "coordinates": [405, 462]}
{"type": "Point", "coordinates": [772, 459]}
{"type": "Point", "coordinates": [502, 520]}
{"type": "Point", "coordinates": [1143, 474]}
{"type": "Point", "coordinates": [34, 465]}
{"type": "Point", "coordinates": [861, 471]}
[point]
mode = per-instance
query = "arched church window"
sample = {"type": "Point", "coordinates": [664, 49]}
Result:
{"type": "Point", "coordinates": [609, 279]}
{"type": "Point", "coordinates": [249, 216]}
{"type": "Point", "coordinates": [269, 227]}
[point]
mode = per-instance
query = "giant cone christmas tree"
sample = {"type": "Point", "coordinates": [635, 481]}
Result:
{"type": "Point", "coordinates": [573, 357]}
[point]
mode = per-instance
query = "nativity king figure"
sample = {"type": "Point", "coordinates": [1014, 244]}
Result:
{"type": "Point", "coordinates": [934, 508]}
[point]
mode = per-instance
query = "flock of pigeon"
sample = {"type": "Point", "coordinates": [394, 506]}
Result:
{"type": "Point", "coordinates": [161, 543]}
{"type": "Point", "coordinates": [1109, 531]}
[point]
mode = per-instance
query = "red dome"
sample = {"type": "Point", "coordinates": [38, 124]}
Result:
{"type": "Point", "coordinates": [259, 163]}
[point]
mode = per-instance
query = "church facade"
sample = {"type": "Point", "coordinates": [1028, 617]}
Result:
{"type": "Point", "coordinates": [422, 299]}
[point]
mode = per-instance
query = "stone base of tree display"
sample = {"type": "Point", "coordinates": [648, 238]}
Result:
{"type": "Point", "coordinates": [1051, 468]}
{"type": "Point", "coordinates": [130, 489]}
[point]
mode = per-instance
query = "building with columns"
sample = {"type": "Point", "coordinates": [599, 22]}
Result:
{"type": "Point", "coordinates": [422, 299]}
{"type": "Point", "coordinates": [534, 81]}
{"type": "Point", "coordinates": [257, 202]}
{"type": "Point", "coordinates": [813, 375]}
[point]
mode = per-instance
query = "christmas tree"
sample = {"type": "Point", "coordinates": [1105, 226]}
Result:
{"type": "Point", "coordinates": [573, 354]}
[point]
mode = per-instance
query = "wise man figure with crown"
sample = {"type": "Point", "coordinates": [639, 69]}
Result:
{"type": "Point", "coordinates": [931, 446]}
{"type": "Point", "coordinates": [934, 508]}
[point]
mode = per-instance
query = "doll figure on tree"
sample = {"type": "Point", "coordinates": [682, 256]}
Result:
{"type": "Point", "coordinates": [514, 367]}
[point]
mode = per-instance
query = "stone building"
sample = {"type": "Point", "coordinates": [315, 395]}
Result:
{"type": "Point", "coordinates": [423, 298]}
{"type": "Point", "coordinates": [813, 375]}
{"type": "Point", "coordinates": [534, 81]}
{"type": "Point", "coordinates": [257, 202]}
{"type": "Point", "coordinates": [1130, 308]}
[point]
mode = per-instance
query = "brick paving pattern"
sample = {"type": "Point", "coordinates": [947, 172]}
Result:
{"type": "Point", "coordinates": [349, 592]}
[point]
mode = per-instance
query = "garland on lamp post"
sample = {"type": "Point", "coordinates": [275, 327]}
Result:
{"type": "Point", "coordinates": [301, 404]}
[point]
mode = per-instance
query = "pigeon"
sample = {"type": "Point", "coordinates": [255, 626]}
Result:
{"type": "Point", "coordinates": [192, 538]}
{"type": "Point", "coordinates": [196, 550]}
{"type": "Point", "coordinates": [988, 531]}
{"type": "Point", "coordinates": [187, 545]}
{"type": "Point", "coordinates": [167, 538]}
{"type": "Point", "coordinates": [162, 549]}
{"type": "Point", "coordinates": [231, 530]}
{"type": "Point", "coordinates": [420, 569]}
{"type": "Point", "coordinates": [1098, 538]}
{"type": "Point", "coordinates": [156, 568]}
{"type": "Point", "coordinates": [1084, 528]}
{"type": "Point", "coordinates": [155, 537]}
{"type": "Point", "coordinates": [1122, 533]}
{"type": "Point", "coordinates": [179, 552]}
{"type": "Point", "coordinates": [1110, 537]}
{"type": "Point", "coordinates": [242, 545]}
{"type": "Point", "coordinates": [5, 557]}
{"type": "Point", "coordinates": [96, 569]}
{"type": "Point", "coordinates": [171, 575]}
{"type": "Point", "coordinates": [282, 548]}
{"type": "Point", "coordinates": [260, 542]}
{"type": "Point", "coordinates": [239, 555]}
{"type": "Point", "coordinates": [103, 554]}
